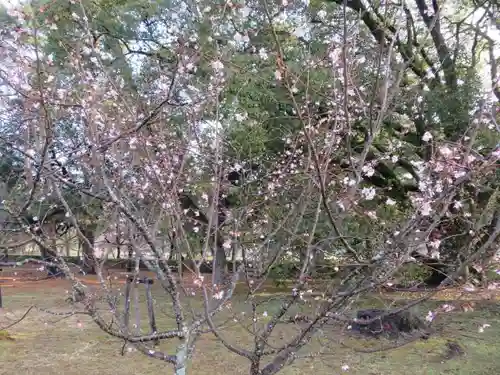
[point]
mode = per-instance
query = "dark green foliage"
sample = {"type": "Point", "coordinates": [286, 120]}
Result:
{"type": "Point", "coordinates": [412, 274]}
{"type": "Point", "coordinates": [290, 270]}
{"type": "Point", "coordinates": [284, 271]}
{"type": "Point", "coordinates": [11, 169]}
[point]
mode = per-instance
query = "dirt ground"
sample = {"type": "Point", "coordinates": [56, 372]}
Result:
{"type": "Point", "coordinates": [30, 278]}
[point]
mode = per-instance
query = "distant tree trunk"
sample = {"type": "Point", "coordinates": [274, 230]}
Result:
{"type": "Point", "coordinates": [50, 256]}
{"type": "Point", "coordinates": [67, 245]}
{"type": "Point", "coordinates": [234, 250]}
{"type": "Point", "coordinates": [317, 258]}
{"type": "Point", "coordinates": [219, 265]}
{"type": "Point", "coordinates": [89, 260]}
{"type": "Point", "coordinates": [171, 239]}
{"type": "Point", "coordinates": [118, 240]}
{"type": "Point", "coordinates": [465, 275]}
{"type": "Point", "coordinates": [483, 278]}
{"type": "Point", "coordinates": [317, 261]}
{"type": "Point", "coordinates": [130, 261]}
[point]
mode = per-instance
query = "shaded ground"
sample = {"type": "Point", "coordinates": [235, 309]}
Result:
{"type": "Point", "coordinates": [46, 344]}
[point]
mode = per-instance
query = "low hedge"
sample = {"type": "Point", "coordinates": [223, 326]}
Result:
{"type": "Point", "coordinates": [205, 267]}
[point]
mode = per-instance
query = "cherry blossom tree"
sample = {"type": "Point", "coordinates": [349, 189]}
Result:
{"type": "Point", "coordinates": [262, 129]}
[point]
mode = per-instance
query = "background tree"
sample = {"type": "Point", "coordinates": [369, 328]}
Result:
{"type": "Point", "coordinates": [258, 129]}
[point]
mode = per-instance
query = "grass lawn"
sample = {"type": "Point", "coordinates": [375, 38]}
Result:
{"type": "Point", "coordinates": [48, 344]}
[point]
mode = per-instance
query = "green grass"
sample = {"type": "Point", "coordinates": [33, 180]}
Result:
{"type": "Point", "coordinates": [47, 344]}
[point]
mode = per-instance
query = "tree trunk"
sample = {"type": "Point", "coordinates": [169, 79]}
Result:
{"type": "Point", "coordinates": [466, 274]}
{"type": "Point", "coordinates": [312, 262]}
{"type": "Point", "coordinates": [67, 245]}
{"type": "Point", "coordinates": [219, 266]}
{"type": "Point", "coordinates": [234, 259]}
{"type": "Point", "coordinates": [483, 277]}
{"type": "Point", "coordinates": [171, 239]}
{"type": "Point", "coordinates": [181, 357]}
{"type": "Point", "coordinates": [118, 240]}
{"type": "Point", "coordinates": [130, 260]}
{"type": "Point", "coordinates": [50, 256]}
{"type": "Point", "coordinates": [88, 260]}
{"type": "Point", "coordinates": [255, 367]}
{"type": "Point", "coordinates": [317, 262]}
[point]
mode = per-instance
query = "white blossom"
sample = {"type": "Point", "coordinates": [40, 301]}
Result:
{"type": "Point", "coordinates": [368, 193]}
{"type": "Point", "coordinates": [430, 316]}
{"type": "Point", "coordinates": [219, 295]}
{"type": "Point", "coordinates": [240, 117]}
{"type": "Point", "coordinates": [368, 170]}
{"type": "Point", "coordinates": [263, 54]}
{"type": "Point", "coordinates": [217, 65]}
{"type": "Point", "coordinates": [435, 244]}
{"type": "Point", "coordinates": [426, 209]}
{"type": "Point", "coordinates": [245, 11]}
{"type": "Point", "coordinates": [445, 151]}
{"type": "Point", "coordinates": [427, 137]}
{"type": "Point", "coordinates": [481, 328]}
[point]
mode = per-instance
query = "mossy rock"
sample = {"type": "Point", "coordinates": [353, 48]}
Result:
{"type": "Point", "coordinates": [377, 322]}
